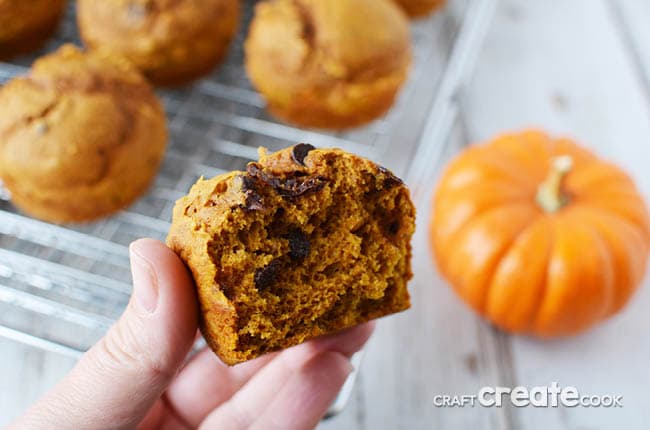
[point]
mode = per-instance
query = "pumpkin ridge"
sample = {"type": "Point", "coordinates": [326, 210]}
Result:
{"type": "Point", "coordinates": [498, 151]}
{"type": "Point", "coordinates": [642, 221]}
{"type": "Point", "coordinates": [531, 326]}
{"type": "Point", "coordinates": [534, 224]}
{"type": "Point", "coordinates": [480, 157]}
{"type": "Point", "coordinates": [497, 185]}
{"type": "Point", "coordinates": [544, 281]}
{"type": "Point", "coordinates": [500, 258]}
{"type": "Point", "coordinates": [545, 289]}
{"type": "Point", "coordinates": [605, 223]}
{"type": "Point", "coordinates": [546, 328]}
{"type": "Point", "coordinates": [599, 235]}
{"type": "Point", "coordinates": [522, 156]}
{"type": "Point", "coordinates": [481, 306]}
{"type": "Point", "coordinates": [600, 173]}
{"type": "Point", "coordinates": [642, 230]}
{"type": "Point", "coordinates": [486, 211]}
{"type": "Point", "coordinates": [497, 205]}
{"type": "Point", "coordinates": [505, 163]}
{"type": "Point", "coordinates": [479, 213]}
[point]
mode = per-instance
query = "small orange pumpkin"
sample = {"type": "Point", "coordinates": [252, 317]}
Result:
{"type": "Point", "coordinates": [538, 235]}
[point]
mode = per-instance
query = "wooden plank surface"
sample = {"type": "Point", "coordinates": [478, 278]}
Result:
{"type": "Point", "coordinates": [25, 374]}
{"type": "Point", "coordinates": [566, 66]}
{"type": "Point", "coordinates": [632, 18]}
{"type": "Point", "coordinates": [576, 67]}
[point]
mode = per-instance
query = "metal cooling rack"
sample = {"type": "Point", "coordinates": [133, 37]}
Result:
{"type": "Point", "coordinates": [61, 287]}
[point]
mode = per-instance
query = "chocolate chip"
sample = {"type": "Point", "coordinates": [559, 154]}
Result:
{"type": "Point", "coordinates": [248, 182]}
{"type": "Point", "coordinates": [299, 245]}
{"type": "Point", "coordinates": [393, 227]}
{"type": "Point", "coordinates": [300, 151]}
{"type": "Point", "coordinates": [266, 276]}
{"type": "Point", "coordinates": [293, 185]}
{"type": "Point", "coordinates": [390, 180]}
{"type": "Point", "coordinates": [254, 201]}
{"type": "Point", "coordinates": [254, 170]}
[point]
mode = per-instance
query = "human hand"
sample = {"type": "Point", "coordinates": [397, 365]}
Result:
{"type": "Point", "coordinates": [136, 376]}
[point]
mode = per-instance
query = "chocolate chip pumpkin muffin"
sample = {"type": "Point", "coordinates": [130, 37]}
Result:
{"type": "Point", "coordinates": [328, 63]}
{"type": "Point", "coordinates": [24, 25]}
{"type": "Point", "coordinates": [81, 135]}
{"type": "Point", "coordinates": [420, 8]}
{"type": "Point", "coordinates": [171, 41]}
{"type": "Point", "coordinates": [303, 243]}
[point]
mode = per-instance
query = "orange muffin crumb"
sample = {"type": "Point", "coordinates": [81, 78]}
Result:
{"type": "Point", "coordinates": [305, 242]}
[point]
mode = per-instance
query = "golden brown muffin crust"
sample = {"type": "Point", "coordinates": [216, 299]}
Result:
{"type": "Point", "coordinates": [26, 24]}
{"type": "Point", "coordinates": [171, 41]}
{"type": "Point", "coordinates": [81, 136]}
{"type": "Point", "coordinates": [304, 243]}
{"type": "Point", "coordinates": [328, 63]}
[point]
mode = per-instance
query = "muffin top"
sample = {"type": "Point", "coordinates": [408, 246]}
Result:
{"type": "Point", "coordinates": [148, 27]}
{"type": "Point", "coordinates": [69, 121]}
{"type": "Point", "coordinates": [328, 40]}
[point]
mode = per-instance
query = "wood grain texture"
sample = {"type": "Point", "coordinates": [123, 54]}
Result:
{"type": "Point", "coordinates": [578, 68]}
{"type": "Point", "coordinates": [632, 18]}
{"type": "Point", "coordinates": [569, 69]}
{"type": "Point", "coordinates": [25, 374]}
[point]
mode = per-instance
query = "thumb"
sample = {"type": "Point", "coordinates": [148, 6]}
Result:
{"type": "Point", "coordinates": [118, 380]}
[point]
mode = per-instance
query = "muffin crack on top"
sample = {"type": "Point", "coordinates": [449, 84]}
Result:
{"type": "Point", "coordinates": [304, 242]}
{"type": "Point", "coordinates": [89, 82]}
{"type": "Point", "coordinates": [171, 41]}
{"type": "Point", "coordinates": [30, 119]}
{"type": "Point", "coordinates": [308, 30]}
{"type": "Point", "coordinates": [82, 135]}
{"type": "Point", "coordinates": [328, 63]}
{"type": "Point", "coordinates": [125, 97]}
{"type": "Point", "coordinates": [326, 44]}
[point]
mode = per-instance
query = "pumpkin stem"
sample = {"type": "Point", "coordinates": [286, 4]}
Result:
{"type": "Point", "coordinates": [550, 195]}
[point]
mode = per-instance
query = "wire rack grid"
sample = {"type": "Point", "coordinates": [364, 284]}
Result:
{"type": "Point", "coordinates": [61, 287]}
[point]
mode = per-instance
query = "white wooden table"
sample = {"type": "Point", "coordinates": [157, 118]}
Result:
{"type": "Point", "coordinates": [574, 67]}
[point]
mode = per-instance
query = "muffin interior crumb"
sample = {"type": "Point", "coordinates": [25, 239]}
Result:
{"type": "Point", "coordinates": [308, 254]}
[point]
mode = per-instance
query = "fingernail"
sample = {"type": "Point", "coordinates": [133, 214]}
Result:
{"type": "Point", "coordinates": [145, 284]}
